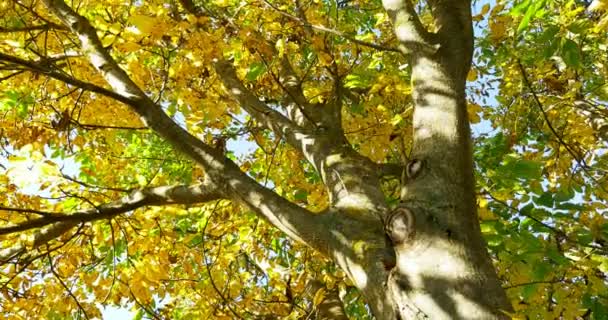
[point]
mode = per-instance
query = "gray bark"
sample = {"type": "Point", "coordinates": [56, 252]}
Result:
{"type": "Point", "coordinates": [443, 271]}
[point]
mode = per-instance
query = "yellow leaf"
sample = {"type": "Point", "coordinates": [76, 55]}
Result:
{"type": "Point", "coordinates": [128, 47]}
{"type": "Point", "coordinates": [143, 23]}
{"type": "Point", "coordinates": [280, 45]}
{"type": "Point", "coordinates": [222, 3]}
{"type": "Point", "coordinates": [397, 119]}
{"type": "Point", "coordinates": [380, 18]}
{"type": "Point", "coordinates": [325, 59]}
{"type": "Point", "coordinates": [483, 202]}
{"type": "Point", "coordinates": [498, 27]}
{"type": "Point", "coordinates": [318, 43]}
{"type": "Point", "coordinates": [485, 9]}
{"type": "Point", "coordinates": [485, 214]}
{"type": "Point", "coordinates": [473, 110]}
{"type": "Point", "coordinates": [602, 24]}
{"type": "Point", "coordinates": [472, 75]}
{"type": "Point", "coordinates": [319, 297]}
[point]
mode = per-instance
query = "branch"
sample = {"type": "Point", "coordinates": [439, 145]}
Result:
{"type": "Point", "coordinates": [86, 185]}
{"type": "Point", "coordinates": [47, 26]}
{"type": "Point", "coordinates": [331, 307]}
{"type": "Point", "coordinates": [59, 223]}
{"type": "Point", "coordinates": [411, 33]}
{"type": "Point", "coordinates": [42, 68]}
{"type": "Point", "coordinates": [390, 170]}
{"type": "Point", "coordinates": [271, 118]}
{"type": "Point", "coordinates": [296, 222]}
{"type": "Point", "coordinates": [145, 197]}
{"type": "Point", "coordinates": [86, 126]}
{"type": "Point", "coordinates": [532, 283]}
{"type": "Point", "coordinates": [540, 107]}
{"type": "Point", "coordinates": [40, 238]}
{"type": "Point", "coordinates": [94, 50]}
{"type": "Point", "coordinates": [454, 25]}
{"type": "Point", "coordinates": [332, 31]}
{"type": "Point", "coordinates": [65, 287]}
{"type": "Point", "coordinates": [287, 80]}
{"type": "Point", "coordinates": [301, 109]}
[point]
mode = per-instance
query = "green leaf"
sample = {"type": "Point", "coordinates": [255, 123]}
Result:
{"type": "Point", "coordinates": [532, 9]}
{"type": "Point", "coordinates": [300, 195]}
{"type": "Point", "coordinates": [255, 70]}
{"type": "Point", "coordinates": [584, 237]}
{"type": "Point", "coordinates": [564, 194]}
{"type": "Point", "coordinates": [528, 291]}
{"type": "Point", "coordinates": [540, 270]}
{"type": "Point", "coordinates": [357, 108]}
{"type": "Point", "coordinates": [527, 222]}
{"type": "Point", "coordinates": [570, 206]}
{"type": "Point", "coordinates": [356, 81]}
{"type": "Point", "coordinates": [139, 315]}
{"type": "Point", "coordinates": [546, 200]}
{"type": "Point", "coordinates": [571, 53]}
{"type": "Point", "coordinates": [488, 227]}
{"type": "Point", "coordinates": [598, 310]}
{"type": "Point", "coordinates": [602, 91]}
{"type": "Point", "coordinates": [557, 257]}
{"type": "Point", "coordinates": [521, 8]}
{"type": "Point", "coordinates": [579, 26]}
{"type": "Point", "coordinates": [526, 169]}
{"type": "Point", "coordinates": [18, 101]}
{"type": "Point", "coordinates": [172, 108]}
{"type": "Point", "coordinates": [494, 240]}
{"type": "Point", "coordinates": [531, 243]}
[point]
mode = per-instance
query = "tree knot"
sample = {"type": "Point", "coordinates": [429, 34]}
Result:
{"type": "Point", "coordinates": [413, 168]}
{"type": "Point", "coordinates": [400, 225]}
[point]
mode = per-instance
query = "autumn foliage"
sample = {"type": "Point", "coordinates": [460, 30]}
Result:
{"type": "Point", "coordinates": [98, 208]}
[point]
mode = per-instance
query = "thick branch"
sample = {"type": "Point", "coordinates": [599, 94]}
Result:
{"type": "Point", "coordinates": [412, 34]}
{"type": "Point", "coordinates": [271, 118]}
{"type": "Point", "coordinates": [296, 222]}
{"type": "Point", "coordinates": [47, 26]}
{"type": "Point", "coordinates": [40, 238]}
{"type": "Point", "coordinates": [455, 28]}
{"type": "Point", "coordinates": [299, 109]}
{"type": "Point", "coordinates": [346, 174]}
{"type": "Point", "coordinates": [145, 197]}
{"type": "Point", "coordinates": [94, 50]}
{"type": "Point", "coordinates": [42, 68]}
{"type": "Point", "coordinates": [61, 223]}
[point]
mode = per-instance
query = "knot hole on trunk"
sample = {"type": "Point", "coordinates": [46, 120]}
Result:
{"type": "Point", "coordinates": [400, 225]}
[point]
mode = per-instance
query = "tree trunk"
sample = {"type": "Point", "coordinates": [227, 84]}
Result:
{"type": "Point", "coordinates": [442, 269]}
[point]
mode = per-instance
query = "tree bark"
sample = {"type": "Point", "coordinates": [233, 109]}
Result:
{"type": "Point", "coordinates": [442, 268]}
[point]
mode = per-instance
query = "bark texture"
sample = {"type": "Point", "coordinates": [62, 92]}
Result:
{"type": "Point", "coordinates": [443, 271]}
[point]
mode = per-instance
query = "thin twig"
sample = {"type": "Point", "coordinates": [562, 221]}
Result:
{"type": "Point", "coordinates": [66, 288]}
{"type": "Point", "coordinates": [332, 31]}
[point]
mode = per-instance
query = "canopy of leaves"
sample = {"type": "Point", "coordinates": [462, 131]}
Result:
{"type": "Point", "coordinates": [538, 99]}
